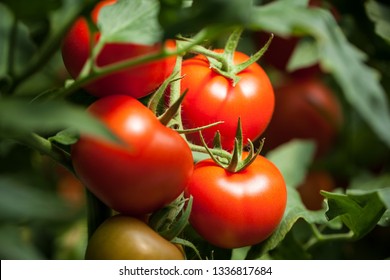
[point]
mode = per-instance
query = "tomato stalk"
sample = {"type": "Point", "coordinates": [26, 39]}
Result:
{"type": "Point", "coordinates": [171, 116]}
{"type": "Point", "coordinates": [97, 212]}
{"type": "Point", "coordinates": [99, 72]}
{"type": "Point", "coordinates": [319, 237]}
{"type": "Point", "coordinates": [233, 162]}
{"type": "Point", "coordinates": [223, 63]}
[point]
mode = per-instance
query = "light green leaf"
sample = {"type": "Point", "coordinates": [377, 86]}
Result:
{"type": "Point", "coordinates": [380, 15]}
{"type": "Point", "coordinates": [359, 83]}
{"type": "Point", "coordinates": [134, 21]}
{"type": "Point", "coordinates": [304, 55]}
{"type": "Point", "coordinates": [65, 137]}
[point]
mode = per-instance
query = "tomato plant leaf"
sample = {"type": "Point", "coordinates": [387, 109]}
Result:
{"type": "Point", "coordinates": [304, 55]}
{"type": "Point", "coordinates": [37, 204]}
{"type": "Point", "coordinates": [177, 19]}
{"type": "Point", "coordinates": [132, 21]}
{"type": "Point", "coordinates": [65, 137]}
{"type": "Point", "coordinates": [359, 212]}
{"type": "Point", "coordinates": [18, 117]}
{"type": "Point", "coordinates": [380, 15]}
{"type": "Point", "coordinates": [367, 183]}
{"type": "Point", "coordinates": [14, 246]}
{"type": "Point", "coordinates": [359, 83]}
{"type": "Point", "coordinates": [301, 152]}
{"type": "Point", "coordinates": [27, 9]}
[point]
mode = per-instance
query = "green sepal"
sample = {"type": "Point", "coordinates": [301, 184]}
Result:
{"type": "Point", "coordinates": [235, 163]}
{"type": "Point", "coordinates": [170, 113]}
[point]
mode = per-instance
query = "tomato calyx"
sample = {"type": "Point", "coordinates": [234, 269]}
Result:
{"type": "Point", "coordinates": [172, 219]}
{"type": "Point", "coordinates": [222, 62]}
{"type": "Point", "coordinates": [234, 161]}
{"type": "Point", "coordinates": [171, 117]}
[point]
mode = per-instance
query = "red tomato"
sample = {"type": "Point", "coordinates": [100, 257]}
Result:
{"type": "Point", "coordinates": [212, 97]}
{"type": "Point", "coordinates": [148, 170]}
{"type": "Point", "coordinates": [304, 109]}
{"type": "Point", "coordinates": [232, 210]}
{"type": "Point", "coordinates": [137, 81]}
{"type": "Point", "coordinates": [310, 189]}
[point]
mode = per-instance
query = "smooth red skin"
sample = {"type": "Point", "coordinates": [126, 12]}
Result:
{"type": "Point", "coordinates": [137, 81]}
{"type": "Point", "coordinates": [305, 109]}
{"type": "Point", "coordinates": [232, 210]}
{"type": "Point", "coordinates": [212, 98]}
{"type": "Point", "coordinates": [149, 170]}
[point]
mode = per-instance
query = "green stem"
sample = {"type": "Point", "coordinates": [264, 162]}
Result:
{"type": "Point", "coordinates": [46, 147]}
{"type": "Point", "coordinates": [12, 47]}
{"type": "Point", "coordinates": [98, 72]}
{"type": "Point", "coordinates": [320, 238]}
{"type": "Point", "coordinates": [230, 48]}
{"type": "Point", "coordinates": [217, 152]}
{"type": "Point", "coordinates": [97, 212]}
{"type": "Point", "coordinates": [175, 91]}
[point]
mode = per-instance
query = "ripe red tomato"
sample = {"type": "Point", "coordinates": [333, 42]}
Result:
{"type": "Point", "coordinates": [148, 170]}
{"type": "Point", "coordinates": [304, 109]}
{"type": "Point", "coordinates": [309, 190]}
{"type": "Point", "coordinates": [212, 97]}
{"type": "Point", "coordinates": [126, 238]}
{"type": "Point", "coordinates": [232, 210]}
{"type": "Point", "coordinates": [137, 81]}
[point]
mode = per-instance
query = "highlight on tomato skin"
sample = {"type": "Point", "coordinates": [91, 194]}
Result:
{"type": "Point", "coordinates": [138, 81]}
{"type": "Point", "coordinates": [232, 210]}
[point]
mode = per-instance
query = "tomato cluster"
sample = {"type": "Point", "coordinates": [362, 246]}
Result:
{"type": "Point", "coordinates": [149, 164]}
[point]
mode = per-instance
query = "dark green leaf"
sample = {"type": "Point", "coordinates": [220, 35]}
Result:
{"type": "Point", "coordinates": [132, 21]}
{"type": "Point", "coordinates": [14, 246]}
{"type": "Point", "coordinates": [27, 9]}
{"type": "Point", "coordinates": [380, 14]}
{"type": "Point", "coordinates": [21, 202]}
{"type": "Point", "coordinates": [192, 18]}
{"type": "Point", "coordinates": [359, 83]}
{"type": "Point", "coordinates": [359, 212]}
{"type": "Point", "coordinates": [20, 117]}
{"type": "Point", "coordinates": [16, 46]}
